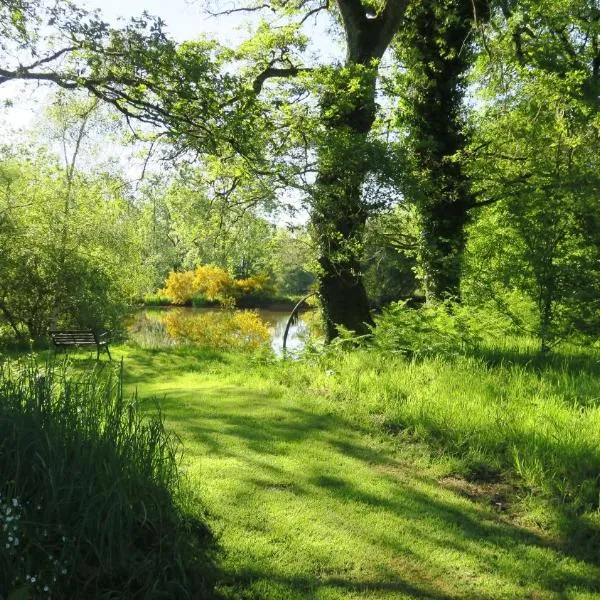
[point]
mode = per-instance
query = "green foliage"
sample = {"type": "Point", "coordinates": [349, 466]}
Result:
{"type": "Point", "coordinates": [90, 500]}
{"type": "Point", "coordinates": [293, 262]}
{"type": "Point", "coordinates": [200, 218]}
{"type": "Point", "coordinates": [69, 255]}
{"type": "Point", "coordinates": [389, 257]}
{"type": "Point", "coordinates": [139, 70]}
{"type": "Point", "coordinates": [534, 158]}
{"type": "Point", "coordinates": [433, 329]}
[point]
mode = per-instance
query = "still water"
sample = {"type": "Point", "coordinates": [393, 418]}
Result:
{"type": "Point", "coordinates": [148, 329]}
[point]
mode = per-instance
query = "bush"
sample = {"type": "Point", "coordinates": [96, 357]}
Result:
{"type": "Point", "coordinates": [208, 285]}
{"type": "Point", "coordinates": [179, 287]}
{"type": "Point", "coordinates": [90, 500]}
{"type": "Point", "coordinates": [443, 328]}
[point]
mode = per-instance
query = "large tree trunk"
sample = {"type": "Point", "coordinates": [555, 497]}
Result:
{"type": "Point", "coordinates": [436, 47]}
{"type": "Point", "coordinates": [441, 247]}
{"type": "Point", "coordinates": [339, 211]}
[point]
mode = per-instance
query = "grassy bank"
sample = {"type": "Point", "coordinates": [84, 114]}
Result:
{"type": "Point", "coordinates": [363, 475]}
{"type": "Point", "coordinates": [357, 476]}
{"type": "Point", "coordinates": [502, 411]}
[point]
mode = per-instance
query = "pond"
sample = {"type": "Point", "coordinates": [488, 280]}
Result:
{"type": "Point", "coordinates": [149, 327]}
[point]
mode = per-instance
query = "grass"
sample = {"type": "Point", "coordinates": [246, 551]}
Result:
{"type": "Point", "coordinates": [361, 476]}
{"type": "Point", "coordinates": [502, 414]}
{"type": "Point", "coordinates": [90, 503]}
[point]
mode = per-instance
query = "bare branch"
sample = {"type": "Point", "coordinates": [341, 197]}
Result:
{"type": "Point", "coordinates": [48, 59]}
{"type": "Point", "coordinates": [273, 72]}
{"type": "Point", "coordinates": [244, 9]}
{"type": "Point", "coordinates": [314, 11]}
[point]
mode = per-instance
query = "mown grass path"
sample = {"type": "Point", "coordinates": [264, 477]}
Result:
{"type": "Point", "coordinates": [307, 505]}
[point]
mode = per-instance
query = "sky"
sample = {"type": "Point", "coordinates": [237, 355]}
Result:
{"type": "Point", "coordinates": [185, 20]}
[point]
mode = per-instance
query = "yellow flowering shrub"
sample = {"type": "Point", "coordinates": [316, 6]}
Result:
{"type": "Point", "coordinates": [214, 284]}
{"type": "Point", "coordinates": [227, 330]}
{"type": "Point", "coordinates": [179, 287]}
{"type": "Point", "coordinates": [253, 285]}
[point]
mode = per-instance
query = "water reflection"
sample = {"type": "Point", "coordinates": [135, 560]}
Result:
{"type": "Point", "coordinates": [277, 320]}
{"type": "Point", "coordinates": [148, 328]}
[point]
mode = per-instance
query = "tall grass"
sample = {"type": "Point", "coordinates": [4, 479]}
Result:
{"type": "Point", "coordinates": [503, 411]}
{"type": "Point", "coordinates": [90, 500]}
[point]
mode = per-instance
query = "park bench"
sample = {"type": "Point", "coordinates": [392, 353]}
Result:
{"type": "Point", "coordinates": [81, 337]}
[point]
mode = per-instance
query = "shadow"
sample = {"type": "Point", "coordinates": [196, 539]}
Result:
{"type": "Point", "coordinates": [579, 535]}
{"type": "Point", "coordinates": [336, 467]}
{"type": "Point", "coordinates": [305, 587]}
{"type": "Point", "coordinates": [575, 362]}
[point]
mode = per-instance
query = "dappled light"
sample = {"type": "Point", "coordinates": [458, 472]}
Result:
{"type": "Point", "coordinates": [309, 502]}
{"type": "Point", "coordinates": [299, 299]}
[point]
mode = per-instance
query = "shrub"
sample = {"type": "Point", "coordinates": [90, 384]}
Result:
{"type": "Point", "coordinates": [255, 284]}
{"type": "Point", "coordinates": [179, 287]}
{"type": "Point", "coordinates": [214, 284]}
{"type": "Point", "coordinates": [433, 329]}
{"type": "Point", "coordinates": [90, 501]}
{"type": "Point", "coordinates": [208, 285]}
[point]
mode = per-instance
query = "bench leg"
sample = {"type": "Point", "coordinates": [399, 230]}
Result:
{"type": "Point", "coordinates": [108, 352]}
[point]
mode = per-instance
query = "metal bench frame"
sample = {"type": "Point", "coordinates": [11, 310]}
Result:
{"type": "Point", "coordinates": [66, 338]}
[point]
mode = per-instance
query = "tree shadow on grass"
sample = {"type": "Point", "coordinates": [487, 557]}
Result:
{"type": "Point", "coordinates": [260, 433]}
{"type": "Point", "coordinates": [265, 429]}
{"type": "Point", "coordinates": [296, 587]}
{"type": "Point", "coordinates": [519, 561]}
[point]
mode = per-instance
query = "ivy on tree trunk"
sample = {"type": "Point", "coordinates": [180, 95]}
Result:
{"type": "Point", "coordinates": [339, 212]}
{"type": "Point", "coordinates": [436, 48]}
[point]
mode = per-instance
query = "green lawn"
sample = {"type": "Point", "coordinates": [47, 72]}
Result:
{"type": "Point", "coordinates": [308, 504]}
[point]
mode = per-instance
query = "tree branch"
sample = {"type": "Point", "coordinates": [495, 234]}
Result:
{"type": "Point", "coordinates": [273, 72]}
{"type": "Point", "coordinates": [243, 9]}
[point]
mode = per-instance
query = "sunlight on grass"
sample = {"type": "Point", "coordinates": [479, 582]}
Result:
{"type": "Point", "coordinates": [310, 505]}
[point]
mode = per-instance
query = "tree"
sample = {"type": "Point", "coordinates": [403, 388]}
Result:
{"type": "Point", "coordinates": [534, 160]}
{"type": "Point", "coordinates": [83, 284]}
{"type": "Point", "coordinates": [137, 69]}
{"type": "Point", "coordinates": [338, 145]}
{"type": "Point", "coordinates": [187, 223]}
{"type": "Point", "coordinates": [293, 261]}
{"type": "Point", "coordinates": [436, 48]}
